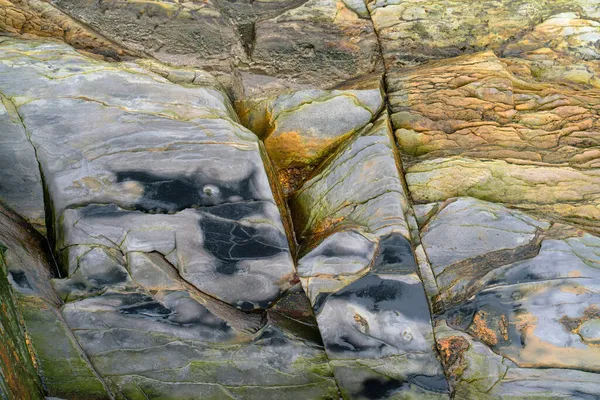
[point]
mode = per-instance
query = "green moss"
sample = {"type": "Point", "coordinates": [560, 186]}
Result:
{"type": "Point", "coordinates": [318, 365]}
{"type": "Point", "coordinates": [18, 375]}
{"type": "Point", "coordinates": [65, 371]}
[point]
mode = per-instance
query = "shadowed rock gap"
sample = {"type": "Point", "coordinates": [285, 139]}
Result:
{"type": "Point", "coordinates": [31, 260]}
{"type": "Point", "coordinates": [282, 203]}
{"type": "Point", "coordinates": [49, 236]}
{"type": "Point", "coordinates": [414, 232]}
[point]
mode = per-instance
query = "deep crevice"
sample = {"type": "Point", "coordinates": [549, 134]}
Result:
{"type": "Point", "coordinates": [413, 233]}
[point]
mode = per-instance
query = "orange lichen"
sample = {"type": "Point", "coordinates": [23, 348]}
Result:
{"type": "Point", "coordinates": [293, 148]}
{"type": "Point", "coordinates": [503, 326]}
{"type": "Point", "coordinates": [573, 324]}
{"type": "Point", "coordinates": [292, 178]}
{"type": "Point", "coordinates": [326, 226]}
{"type": "Point", "coordinates": [451, 349]}
{"type": "Point", "coordinates": [480, 329]}
{"type": "Point", "coordinates": [538, 353]}
{"type": "Point", "coordinates": [362, 322]}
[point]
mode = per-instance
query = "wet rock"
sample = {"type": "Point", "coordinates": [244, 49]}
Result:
{"type": "Point", "coordinates": [156, 261]}
{"type": "Point", "coordinates": [294, 248]}
{"type": "Point", "coordinates": [144, 202]}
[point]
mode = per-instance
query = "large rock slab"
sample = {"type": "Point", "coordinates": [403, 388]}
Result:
{"type": "Point", "coordinates": [359, 271]}
{"type": "Point", "coordinates": [167, 153]}
{"type": "Point", "coordinates": [566, 194]}
{"type": "Point", "coordinates": [480, 106]}
{"type": "Point", "coordinates": [165, 226]}
{"type": "Point", "coordinates": [320, 43]}
{"type": "Point", "coordinates": [415, 31]}
{"type": "Point", "coordinates": [520, 289]}
{"type": "Point", "coordinates": [482, 126]}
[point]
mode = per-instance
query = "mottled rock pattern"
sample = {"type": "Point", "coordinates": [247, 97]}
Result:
{"type": "Point", "coordinates": [514, 295]}
{"type": "Point", "coordinates": [90, 181]}
{"type": "Point", "coordinates": [143, 245]}
{"type": "Point", "coordinates": [65, 370]}
{"type": "Point", "coordinates": [443, 225]}
{"type": "Point", "coordinates": [359, 271]}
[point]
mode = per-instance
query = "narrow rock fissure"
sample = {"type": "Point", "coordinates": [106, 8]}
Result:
{"type": "Point", "coordinates": [50, 240]}
{"type": "Point", "coordinates": [50, 234]}
{"type": "Point", "coordinates": [415, 235]}
{"type": "Point", "coordinates": [287, 220]}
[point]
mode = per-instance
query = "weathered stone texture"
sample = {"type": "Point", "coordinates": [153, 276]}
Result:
{"type": "Point", "coordinates": [514, 293]}
{"type": "Point", "coordinates": [153, 227]}
{"type": "Point", "coordinates": [359, 271]}
{"type": "Point", "coordinates": [335, 232]}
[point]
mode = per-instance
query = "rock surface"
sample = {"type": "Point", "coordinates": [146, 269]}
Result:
{"type": "Point", "coordinates": [314, 199]}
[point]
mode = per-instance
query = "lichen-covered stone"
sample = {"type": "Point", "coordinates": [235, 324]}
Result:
{"type": "Point", "coordinates": [527, 300]}
{"type": "Point", "coordinates": [493, 128]}
{"type": "Point", "coordinates": [300, 129]}
{"type": "Point", "coordinates": [415, 31]}
{"type": "Point", "coordinates": [433, 234]}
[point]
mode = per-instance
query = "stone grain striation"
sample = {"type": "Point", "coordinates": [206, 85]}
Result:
{"type": "Point", "coordinates": [402, 200]}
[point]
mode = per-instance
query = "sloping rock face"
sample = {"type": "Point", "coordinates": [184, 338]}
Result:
{"type": "Point", "coordinates": [317, 199]}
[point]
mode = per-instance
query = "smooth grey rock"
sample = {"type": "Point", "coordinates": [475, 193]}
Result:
{"type": "Point", "coordinates": [339, 254]}
{"type": "Point", "coordinates": [528, 307]}
{"type": "Point", "coordinates": [544, 383]}
{"type": "Point", "coordinates": [360, 273]}
{"type": "Point", "coordinates": [590, 331]}
{"type": "Point", "coordinates": [21, 186]}
{"type": "Point", "coordinates": [468, 228]}
{"type": "Point", "coordinates": [160, 149]}
{"type": "Point", "coordinates": [165, 225]}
